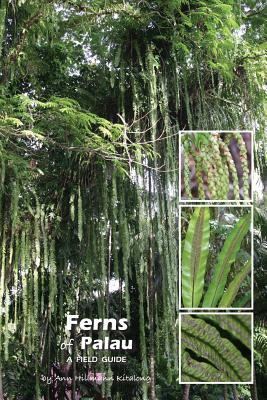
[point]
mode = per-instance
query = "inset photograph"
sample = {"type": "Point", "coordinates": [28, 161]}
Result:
{"type": "Point", "coordinates": [215, 348]}
{"type": "Point", "coordinates": [216, 165]}
{"type": "Point", "coordinates": [216, 257]}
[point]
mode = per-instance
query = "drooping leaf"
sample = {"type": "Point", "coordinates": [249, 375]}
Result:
{"type": "Point", "coordinates": [243, 301]}
{"type": "Point", "coordinates": [230, 294]}
{"type": "Point", "coordinates": [194, 257]}
{"type": "Point", "coordinates": [226, 258]}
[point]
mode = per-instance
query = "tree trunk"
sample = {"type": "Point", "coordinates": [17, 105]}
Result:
{"type": "Point", "coordinates": [186, 392]}
{"type": "Point", "coordinates": [150, 284]}
{"type": "Point", "coordinates": [225, 392]}
{"type": "Point", "coordinates": [74, 335]}
{"type": "Point", "coordinates": [151, 323]}
{"type": "Point", "coordinates": [253, 389]}
{"type": "Point", "coordinates": [1, 384]}
{"type": "Point", "coordinates": [49, 369]}
{"type": "Point", "coordinates": [253, 392]}
{"type": "Point", "coordinates": [235, 393]}
{"type": "Point", "coordinates": [74, 355]}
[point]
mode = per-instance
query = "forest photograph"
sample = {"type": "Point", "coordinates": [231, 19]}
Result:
{"type": "Point", "coordinates": [216, 257]}
{"type": "Point", "coordinates": [96, 97]}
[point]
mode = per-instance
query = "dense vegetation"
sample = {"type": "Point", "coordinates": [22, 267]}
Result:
{"type": "Point", "coordinates": [214, 269]}
{"type": "Point", "coordinates": [210, 356]}
{"type": "Point", "coordinates": [221, 165]}
{"type": "Point", "coordinates": [93, 94]}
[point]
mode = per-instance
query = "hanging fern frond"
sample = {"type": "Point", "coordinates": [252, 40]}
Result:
{"type": "Point", "coordinates": [80, 215]}
{"type": "Point", "coordinates": [216, 170]}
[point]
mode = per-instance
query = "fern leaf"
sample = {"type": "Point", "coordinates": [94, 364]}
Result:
{"type": "Point", "coordinates": [13, 121]}
{"type": "Point", "coordinates": [238, 326]}
{"type": "Point", "coordinates": [194, 257]}
{"type": "Point", "coordinates": [204, 340]}
{"type": "Point", "coordinates": [72, 207]}
{"type": "Point", "coordinates": [260, 345]}
{"type": "Point", "coordinates": [197, 371]}
{"type": "Point", "coordinates": [226, 258]}
{"type": "Point", "coordinates": [243, 301]}
{"type": "Point", "coordinates": [80, 215]}
{"type": "Point", "coordinates": [106, 132]}
{"type": "Point", "coordinates": [230, 294]}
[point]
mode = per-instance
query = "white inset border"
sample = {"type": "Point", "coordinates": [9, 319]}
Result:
{"type": "Point", "coordinates": [216, 383]}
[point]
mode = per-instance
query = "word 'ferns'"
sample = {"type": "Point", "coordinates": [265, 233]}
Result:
{"type": "Point", "coordinates": [216, 166]}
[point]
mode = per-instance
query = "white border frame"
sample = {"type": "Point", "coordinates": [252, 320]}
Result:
{"type": "Point", "coordinates": [186, 201]}
{"type": "Point", "coordinates": [216, 383]}
{"type": "Point", "coordinates": [251, 308]}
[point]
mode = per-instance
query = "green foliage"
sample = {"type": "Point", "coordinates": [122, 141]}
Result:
{"type": "Point", "coordinates": [196, 248]}
{"type": "Point", "coordinates": [85, 129]}
{"type": "Point", "coordinates": [226, 258]}
{"type": "Point", "coordinates": [194, 257]}
{"type": "Point", "coordinates": [260, 345]}
{"type": "Point", "coordinates": [210, 357]}
{"type": "Point", "coordinates": [209, 155]}
{"type": "Point", "coordinates": [237, 324]}
{"type": "Point", "coordinates": [230, 294]}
